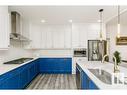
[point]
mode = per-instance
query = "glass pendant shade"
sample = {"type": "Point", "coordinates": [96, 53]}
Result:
{"type": "Point", "coordinates": [118, 30]}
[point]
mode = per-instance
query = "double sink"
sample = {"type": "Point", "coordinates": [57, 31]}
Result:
{"type": "Point", "coordinates": [105, 76]}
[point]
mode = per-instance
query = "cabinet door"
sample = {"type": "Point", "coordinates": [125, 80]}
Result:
{"type": "Point", "coordinates": [35, 36]}
{"type": "Point", "coordinates": [55, 65]}
{"type": "Point", "coordinates": [37, 66]}
{"type": "Point", "coordinates": [92, 85]}
{"type": "Point", "coordinates": [43, 37]}
{"type": "Point", "coordinates": [10, 80]}
{"type": "Point", "coordinates": [75, 36]}
{"type": "Point", "coordinates": [58, 39]}
{"type": "Point", "coordinates": [32, 70]}
{"type": "Point", "coordinates": [46, 65]}
{"type": "Point", "coordinates": [83, 36]}
{"type": "Point", "coordinates": [58, 36]}
{"type": "Point", "coordinates": [13, 81]}
{"type": "Point", "coordinates": [49, 38]}
{"type": "Point", "coordinates": [24, 78]}
{"type": "Point", "coordinates": [67, 37]}
{"type": "Point", "coordinates": [84, 80]}
{"type": "Point", "coordinates": [4, 28]}
{"type": "Point", "coordinates": [93, 31]}
{"type": "Point", "coordinates": [79, 35]}
{"type": "Point", "coordinates": [67, 65]}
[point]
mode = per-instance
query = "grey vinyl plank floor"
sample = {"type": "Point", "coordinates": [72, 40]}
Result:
{"type": "Point", "coordinates": [53, 81]}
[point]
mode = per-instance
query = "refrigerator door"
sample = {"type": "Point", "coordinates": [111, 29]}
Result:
{"type": "Point", "coordinates": [96, 49]}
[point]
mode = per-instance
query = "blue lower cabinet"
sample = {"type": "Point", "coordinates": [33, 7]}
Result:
{"type": "Point", "coordinates": [31, 71]}
{"type": "Point", "coordinates": [24, 78]}
{"type": "Point", "coordinates": [36, 67]}
{"type": "Point", "coordinates": [20, 77]}
{"type": "Point", "coordinates": [84, 81]}
{"type": "Point", "coordinates": [13, 82]}
{"type": "Point", "coordinates": [55, 65]}
{"type": "Point", "coordinates": [87, 83]}
{"type": "Point", "coordinates": [10, 80]}
{"type": "Point", "coordinates": [92, 85]}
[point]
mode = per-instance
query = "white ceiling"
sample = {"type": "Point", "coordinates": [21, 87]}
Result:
{"type": "Point", "coordinates": [61, 14]}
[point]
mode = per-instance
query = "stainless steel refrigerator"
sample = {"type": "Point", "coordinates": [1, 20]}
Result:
{"type": "Point", "coordinates": [96, 50]}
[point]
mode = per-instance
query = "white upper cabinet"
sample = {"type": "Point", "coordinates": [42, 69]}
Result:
{"type": "Point", "coordinates": [4, 28]}
{"type": "Point", "coordinates": [25, 28]}
{"type": "Point", "coordinates": [49, 38]}
{"type": "Point", "coordinates": [58, 36]}
{"type": "Point", "coordinates": [68, 36]}
{"type": "Point", "coordinates": [79, 35]}
{"type": "Point", "coordinates": [35, 36]}
{"type": "Point", "coordinates": [43, 37]}
{"type": "Point", "coordinates": [93, 31]}
{"type": "Point", "coordinates": [75, 36]}
{"type": "Point", "coordinates": [82, 32]}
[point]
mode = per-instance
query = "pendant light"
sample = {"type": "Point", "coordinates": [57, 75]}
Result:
{"type": "Point", "coordinates": [118, 24]}
{"type": "Point", "coordinates": [101, 24]}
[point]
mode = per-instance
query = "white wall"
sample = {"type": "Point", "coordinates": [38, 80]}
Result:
{"type": "Point", "coordinates": [15, 51]}
{"type": "Point", "coordinates": [111, 31]}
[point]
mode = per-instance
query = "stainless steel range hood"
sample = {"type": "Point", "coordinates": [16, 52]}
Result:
{"type": "Point", "coordinates": [16, 27]}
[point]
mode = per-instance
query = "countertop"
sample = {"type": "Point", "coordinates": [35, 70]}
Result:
{"type": "Point", "coordinates": [85, 65]}
{"type": "Point", "coordinates": [8, 67]}
{"type": "Point", "coordinates": [108, 67]}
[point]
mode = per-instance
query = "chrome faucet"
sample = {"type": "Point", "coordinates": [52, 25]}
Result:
{"type": "Point", "coordinates": [103, 59]}
{"type": "Point", "coordinates": [115, 65]}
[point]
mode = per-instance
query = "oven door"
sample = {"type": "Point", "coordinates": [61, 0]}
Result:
{"type": "Point", "coordinates": [78, 76]}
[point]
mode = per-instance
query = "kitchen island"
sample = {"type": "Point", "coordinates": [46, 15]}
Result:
{"type": "Point", "coordinates": [89, 68]}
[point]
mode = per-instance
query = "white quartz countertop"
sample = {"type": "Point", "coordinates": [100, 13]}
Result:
{"type": "Point", "coordinates": [8, 67]}
{"type": "Point", "coordinates": [108, 67]}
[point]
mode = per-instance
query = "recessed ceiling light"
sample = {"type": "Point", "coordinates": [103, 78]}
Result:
{"type": "Point", "coordinates": [43, 21]}
{"type": "Point", "coordinates": [70, 21]}
{"type": "Point", "coordinates": [99, 20]}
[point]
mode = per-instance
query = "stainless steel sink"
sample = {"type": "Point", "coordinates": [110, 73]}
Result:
{"type": "Point", "coordinates": [102, 75]}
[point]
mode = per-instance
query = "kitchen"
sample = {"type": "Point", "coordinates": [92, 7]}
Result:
{"type": "Point", "coordinates": [63, 47]}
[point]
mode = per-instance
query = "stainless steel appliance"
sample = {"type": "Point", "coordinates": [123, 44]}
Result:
{"type": "Point", "coordinates": [78, 76]}
{"type": "Point", "coordinates": [16, 27]}
{"type": "Point", "coordinates": [96, 49]}
{"type": "Point", "coordinates": [80, 52]}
